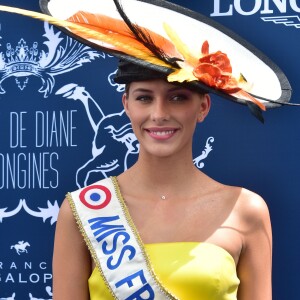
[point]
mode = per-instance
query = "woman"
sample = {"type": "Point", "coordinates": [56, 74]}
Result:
{"type": "Point", "coordinates": [163, 229]}
{"type": "Point", "coordinates": [209, 236]}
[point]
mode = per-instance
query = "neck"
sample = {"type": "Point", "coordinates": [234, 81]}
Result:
{"type": "Point", "coordinates": [165, 177]}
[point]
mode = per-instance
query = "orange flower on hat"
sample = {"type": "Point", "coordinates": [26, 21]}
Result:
{"type": "Point", "coordinates": [215, 70]}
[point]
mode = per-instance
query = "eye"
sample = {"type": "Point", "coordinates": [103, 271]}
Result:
{"type": "Point", "coordinates": [179, 97]}
{"type": "Point", "coordinates": [144, 98]}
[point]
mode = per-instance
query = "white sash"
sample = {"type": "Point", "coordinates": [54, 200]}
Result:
{"type": "Point", "coordinates": [114, 242]}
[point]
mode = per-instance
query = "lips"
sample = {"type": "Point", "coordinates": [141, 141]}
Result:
{"type": "Point", "coordinates": [161, 133]}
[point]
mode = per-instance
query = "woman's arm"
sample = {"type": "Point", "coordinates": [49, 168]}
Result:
{"type": "Point", "coordinates": [71, 259]}
{"type": "Point", "coordinates": [255, 263]}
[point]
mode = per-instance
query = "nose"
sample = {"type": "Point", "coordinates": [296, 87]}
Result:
{"type": "Point", "coordinates": [160, 110]}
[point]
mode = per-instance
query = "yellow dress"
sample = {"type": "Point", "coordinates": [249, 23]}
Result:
{"type": "Point", "coordinates": [189, 270]}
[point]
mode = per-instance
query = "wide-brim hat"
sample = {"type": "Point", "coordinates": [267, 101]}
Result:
{"type": "Point", "coordinates": [182, 44]}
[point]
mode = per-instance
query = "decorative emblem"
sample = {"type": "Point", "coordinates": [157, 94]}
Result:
{"type": "Point", "coordinates": [50, 212]}
{"type": "Point", "coordinates": [198, 161]}
{"type": "Point", "coordinates": [24, 61]}
{"type": "Point", "coordinates": [95, 196]}
{"type": "Point", "coordinates": [8, 214]}
{"type": "Point", "coordinates": [290, 21]}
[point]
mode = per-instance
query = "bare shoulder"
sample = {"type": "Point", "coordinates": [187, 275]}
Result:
{"type": "Point", "coordinates": [67, 230]}
{"type": "Point", "coordinates": [66, 221]}
{"type": "Point", "coordinates": [255, 261]}
{"type": "Point", "coordinates": [253, 221]}
{"type": "Point", "coordinates": [65, 212]}
{"type": "Point", "coordinates": [252, 208]}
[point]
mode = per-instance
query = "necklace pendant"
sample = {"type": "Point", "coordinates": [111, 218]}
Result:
{"type": "Point", "coordinates": [163, 197]}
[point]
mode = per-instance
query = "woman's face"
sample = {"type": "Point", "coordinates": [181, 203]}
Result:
{"type": "Point", "coordinates": [164, 115]}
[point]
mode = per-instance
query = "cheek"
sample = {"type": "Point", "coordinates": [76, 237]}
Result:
{"type": "Point", "coordinates": [137, 118]}
{"type": "Point", "coordinates": [191, 116]}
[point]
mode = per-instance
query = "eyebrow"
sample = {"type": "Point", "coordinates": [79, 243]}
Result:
{"type": "Point", "coordinates": [142, 90]}
{"type": "Point", "coordinates": [175, 88]}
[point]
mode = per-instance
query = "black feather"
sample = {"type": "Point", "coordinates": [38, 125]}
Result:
{"type": "Point", "coordinates": [256, 111]}
{"type": "Point", "coordinates": [144, 37]}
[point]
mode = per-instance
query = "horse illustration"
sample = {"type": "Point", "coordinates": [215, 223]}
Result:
{"type": "Point", "coordinates": [111, 131]}
{"type": "Point", "coordinates": [20, 247]}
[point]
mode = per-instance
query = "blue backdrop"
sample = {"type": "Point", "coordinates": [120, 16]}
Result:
{"type": "Point", "coordinates": [62, 126]}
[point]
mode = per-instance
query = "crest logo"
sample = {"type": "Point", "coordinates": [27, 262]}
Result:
{"type": "Point", "coordinates": [24, 61]}
{"type": "Point", "coordinates": [24, 272]}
